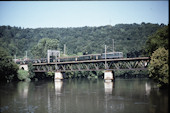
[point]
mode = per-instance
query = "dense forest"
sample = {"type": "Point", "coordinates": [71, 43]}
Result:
{"type": "Point", "coordinates": [128, 38]}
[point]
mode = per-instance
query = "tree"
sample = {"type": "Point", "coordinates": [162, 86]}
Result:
{"type": "Point", "coordinates": [8, 69]}
{"type": "Point", "coordinates": [40, 50]}
{"type": "Point", "coordinates": [31, 70]}
{"type": "Point", "coordinates": [159, 68]}
{"type": "Point", "coordinates": [158, 39]}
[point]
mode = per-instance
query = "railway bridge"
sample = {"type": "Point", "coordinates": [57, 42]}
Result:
{"type": "Point", "coordinates": [106, 65]}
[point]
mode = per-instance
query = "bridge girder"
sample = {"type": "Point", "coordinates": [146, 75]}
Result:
{"type": "Point", "coordinates": [128, 64]}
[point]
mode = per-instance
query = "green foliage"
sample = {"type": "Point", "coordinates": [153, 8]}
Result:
{"type": "Point", "coordinates": [26, 75]}
{"type": "Point", "coordinates": [159, 68]}
{"type": "Point", "coordinates": [50, 74]}
{"type": "Point", "coordinates": [157, 47]}
{"type": "Point", "coordinates": [8, 69]}
{"type": "Point", "coordinates": [77, 40]}
{"type": "Point", "coordinates": [23, 75]}
{"type": "Point", "coordinates": [131, 73]}
{"type": "Point", "coordinates": [86, 74]}
{"type": "Point", "coordinates": [158, 39]}
{"type": "Point", "coordinates": [31, 70]}
{"type": "Point", "coordinates": [40, 50]}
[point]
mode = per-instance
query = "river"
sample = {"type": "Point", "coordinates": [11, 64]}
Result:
{"type": "Point", "coordinates": [138, 95]}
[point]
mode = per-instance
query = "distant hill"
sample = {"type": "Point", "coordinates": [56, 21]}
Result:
{"type": "Point", "coordinates": [128, 38]}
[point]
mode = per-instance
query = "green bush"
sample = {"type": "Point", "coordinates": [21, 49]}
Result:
{"type": "Point", "coordinates": [159, 68]}
{"type": "Point", "coordinates": [31, 70]}
{"type": "Point", "coordinates": [50, 74]}
{"type": "Point", "coordinates": [23, 75]}
{"type": "Point", "coordinates": [8, 69]}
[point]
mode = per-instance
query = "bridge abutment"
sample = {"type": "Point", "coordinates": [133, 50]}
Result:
{"type": "Point", "coordinates": [24, 67]}
{"type": "Point", "coordinates": [58, 76]}
{"type": "Point", "coordinates": [108, 76]}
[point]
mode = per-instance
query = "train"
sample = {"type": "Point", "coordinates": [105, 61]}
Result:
{"type": "Point", "coordinates": [110, 55]}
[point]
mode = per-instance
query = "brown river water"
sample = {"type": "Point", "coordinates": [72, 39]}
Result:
{"type": "Point", "coordinates": [138, 95]}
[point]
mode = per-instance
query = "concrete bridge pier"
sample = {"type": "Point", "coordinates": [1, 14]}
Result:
{"type": "Point", "coordinates": [58, 76]}
{"type": "Point", "coordinates": [108, 76]}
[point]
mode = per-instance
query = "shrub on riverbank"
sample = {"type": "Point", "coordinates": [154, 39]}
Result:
{"type": "Point", "coordinates": [159, 68]}
{"type": "Point", "coordinates": [23, 75]}
{"type": "Point", "coordinates": [31, 70]}
{"type": "Point", "coordinates": [131, 73]}
{"type": "Point", "coordinates": [26, 75]}
{"type": "Point", "coordinates": [8, 69]}
{"type": "Point", "coordinates": [84, 74]}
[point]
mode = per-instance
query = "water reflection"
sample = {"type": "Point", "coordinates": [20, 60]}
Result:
{"type": "Point", "coordinates": [23, 89]}
{"type": "Point", "coordinates": [58, 86]}
{"type": "Point", "coordinates": [57, 100]}
{"type": "Point", "coordinates": [112, 102]}
{"type": "Point", "coordinates": [108, 86]}
{"type": "Point", "coordinates": [147, 88]}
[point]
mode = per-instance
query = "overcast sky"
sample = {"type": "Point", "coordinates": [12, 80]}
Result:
{"type": "Point", "coordinates": [37, 14]}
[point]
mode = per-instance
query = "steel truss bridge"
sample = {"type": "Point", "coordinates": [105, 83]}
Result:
{"type": "Point", "coordinates": [139, 63]}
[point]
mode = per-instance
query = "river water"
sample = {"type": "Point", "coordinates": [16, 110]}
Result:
{"type": "Point", "coordinates": [83, 96]}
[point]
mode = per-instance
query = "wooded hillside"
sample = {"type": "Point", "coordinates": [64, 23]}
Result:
{"type": "Point", "coordinates": [128, 38]}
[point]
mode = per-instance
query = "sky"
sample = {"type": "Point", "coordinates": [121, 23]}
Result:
{"type": "Point", "coordinates": [40, 14]}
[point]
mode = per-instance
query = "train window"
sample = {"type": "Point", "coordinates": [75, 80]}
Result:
{"type": "Point", "coordinates": [115, 54]}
